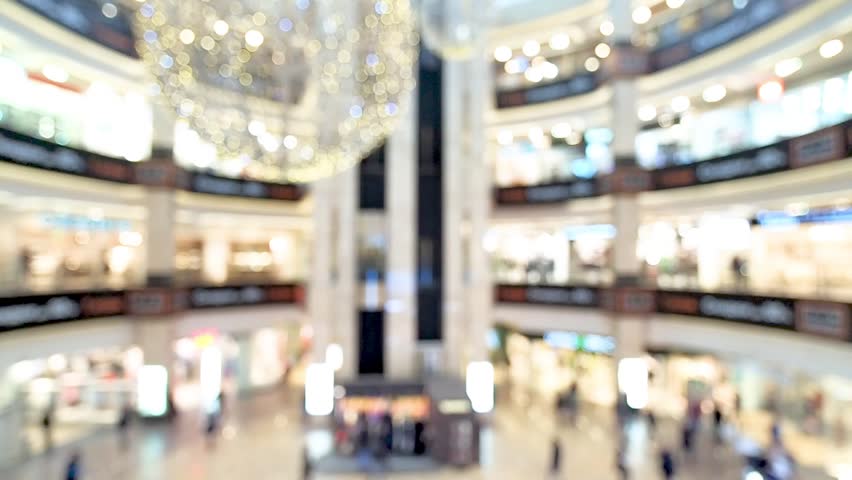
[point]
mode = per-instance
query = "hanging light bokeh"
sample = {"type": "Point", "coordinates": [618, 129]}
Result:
{"type": "Point", "coordinates": [284, 90]}
{"type": "Point", "coordinates": [454, 29]}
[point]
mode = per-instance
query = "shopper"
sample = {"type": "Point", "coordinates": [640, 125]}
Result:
{"type": "Point", "coordinates": [307, 467]}
{"type": "Point", "coordinates": [72, 470]}
{"type": "Point", "coordinates": [718, 419]}
{"type": "Point", "coordinates": [688, 436]}
{"type": "Point", "coordinates": [621, 463]}
{"type": "Point", "coordinates": [47, 427]}
{"type": "Point", "coordinates": [124, 426]}
{"type": "Point", "coordinates": [667, 464]}
{"type": "Point", "coordinates": [573, 402]}
{"type": "Point", "coordinates": [555, 458]}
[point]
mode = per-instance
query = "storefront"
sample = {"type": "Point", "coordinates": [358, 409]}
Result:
{"type": "Point", "coordinates": [562, 156]}
{"type": "Point", "coordinates": [800, 252]}
{"type": "Point", "coordinates": [210, 362]}
{"type": "Point", "coordinates": [232, 251]}
{"type": "Point", "coordinates": [46, 246]}
{"type": "Point", "coordinates": [47, 102]}
{"type": "Point", "coordinates": [752, 392]}
{"type": "Point", "coordinates": [677, 139]}
{"type": "Point", "coordinates": [544, 255]}
{"type": "Point", "coordinates": [537, 368]}
{"type": "Point", "coordinates": [79, 389]}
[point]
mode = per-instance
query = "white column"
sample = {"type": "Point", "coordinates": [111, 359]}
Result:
{"type": "Point", "coordinates": [320, 288]}
{"type": "Point", "coordinates": [215, 251]}
{"type": "Point", "coordinates": [453, 178]}
{"type": "Point", "coordinates": [479, 314]}
{"type": "Point", "coordinates": [160, 242]}
{"type": "Point", "coordinates": [625, 217]}
{"type": "Point", "coordinates": [401, 260]}
{"type": "Point", "coordinates": [344, 321]}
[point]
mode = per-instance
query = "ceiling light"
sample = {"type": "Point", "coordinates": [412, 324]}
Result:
{"type": "Point", "coordinates": [770, 91]}
{"type": "Point", "coordinates": [602, 50]}
{"type": "Point", "coordinates": [592, 64]}
{"type": "Point", "coordinates": [186, 36]}
{"type": "Point", "coordinates": [549, 70]}
{"type": "Point", "coordinates": [785, 68]}
{"type": "Point", "coordinates": [290, 142]}
{"type": "Point", "coordinates": [502, 53]}
{"type": "Point", "coordinates": [531, 48]}
{"type": "Point", "coordinates": [831, 48]}
{"type": "Point", "coordinates": [674, 3]}
{"type": "Point", "coordinates": [109, 10]}
{"type": "Point", "coordinates": [221, 27]}
{"type": "Point", "coordinates": [254, 38]}
{"type": "Point", "coordinates": [641, 15]}
{"type": "Point", "coordinates": [607, 28]}
{"type": "Point", "coordinates": [560, 130]}
{"type": "Point", "coordinates": [647, 113]}
{"type": "Point", "coordinates": [533, 74]}
{"type": "Point", "coordinates": [560, 41]}
{"type": "Point", "coordinates": [536, 134]}
{"type": "Point", "coordinates": [515, 65]}
{"type": "Point", "coordinates": [55, 73]}
{"type": "Point", "coordinates": [505, 137]}
{"type": "Point", "coordinates": [714, 93]}
{"type": "Point", "coordinates": [680, 104]}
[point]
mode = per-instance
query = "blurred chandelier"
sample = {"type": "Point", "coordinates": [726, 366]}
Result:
{"type": "Point", "coordinates": [455, 29]}
{"type": "Point", "coordinates": [286, 90]}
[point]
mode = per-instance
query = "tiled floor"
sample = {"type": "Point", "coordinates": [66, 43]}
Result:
{"type": "Point", "coordinates": [264, 437]}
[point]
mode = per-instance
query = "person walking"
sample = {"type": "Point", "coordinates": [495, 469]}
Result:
{"type": "Point", "coordinates": [124, 426]}
{"type": "Point", "coordinates": [47, 427]}
{"type": "Point", "coordinates": [555, 458]}
{"type": "Point", "coordinates": [667, 464]}
{"type": "Point", "coordinates": [621, 464]}
{"type": "Point", "coordinates": [72, 470]}
{"type": "Point", "coordinates": [718, 420]}
{"type": "Point", "coordinates": [307, 467]}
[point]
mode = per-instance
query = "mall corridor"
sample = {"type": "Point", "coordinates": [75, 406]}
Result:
{"type": "Point", "coordinates": [263, 438]}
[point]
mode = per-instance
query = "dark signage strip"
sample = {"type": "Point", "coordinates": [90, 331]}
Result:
{"type": "Point", "coordinates": [561, 296]}
{"type": "Point", "coordinates": [33, 152]}
{"type": "Point", "coordinates": [813, 317]}
{"type": "Point", "coordinates": [756, 14]}
{"type": "Point", "coordinates": [547, 193]}
{"type": "Point", "coordinates": [87, 18]}
{"type": "Point", "coordinates": [35, 310]}
{"type": "Point", "coordinates": [569, 87]}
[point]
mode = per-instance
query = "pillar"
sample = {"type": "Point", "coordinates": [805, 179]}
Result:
{"type": "Point", "coordinates": [320, 286]}
{"type": "Point", "coordinates": [401, 260]}
{"type": "Point", "coordinates": [344, 321]}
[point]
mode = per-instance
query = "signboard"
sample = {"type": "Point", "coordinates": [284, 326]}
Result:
{"type": "Point", "coordinates": [212, 184]}
{"type": "Point", "coordinates": [209, 297]}
{"type": "Point", "coordinates": [28, 311]}
{"type": "Point", "coordinates": [746, 164]}
{"type": "Point", "coordinates": [756, 14]}
{"type": "Point", "coordinates": [564, 296]}
{"type": "Point", "coordinates": [550, 193]}
{"type": "Point", "coordinates": [32, 152]}
{"type": "Point", "coordinates": [87, 18]}
{"type": "Point", "coordinates": [766, 311]}
{"type": "Point", "coordinates": [569, 87]}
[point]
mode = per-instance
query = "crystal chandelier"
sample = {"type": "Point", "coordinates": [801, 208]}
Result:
{"type": "Point", "coordinates": [285, 90]}
{"type": "Point", "coordinates": [455, 29]}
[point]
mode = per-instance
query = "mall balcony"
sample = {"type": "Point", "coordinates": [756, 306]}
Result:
{"type": "Point", "coordinates": [428, 239]}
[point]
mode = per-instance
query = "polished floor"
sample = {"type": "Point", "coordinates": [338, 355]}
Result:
{"type": "Point", "coordinates": [264, 438]}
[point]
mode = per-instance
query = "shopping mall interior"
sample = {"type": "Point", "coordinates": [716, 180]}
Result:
{"type": "Point", "coordinates": [426, 239]}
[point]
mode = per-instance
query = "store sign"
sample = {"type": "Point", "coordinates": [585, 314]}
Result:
{"type": "Point", "coordinates": [30, 311]}
{"type": "Point", "coordinates": [205, 183]}
{"type": "Point", "coordinates": [248, 295]}
{"type": "Point", "coordinates": [741, 165]}
{"type": "Point", "coordinates": [31, 152]}
{"type": "Point", "coordinates": [547, 193]}
{"type": "Point", "coordinates": [756, 14]}
{"type": "Point", "coordinates": [85, 17]}
{"type": "Point", "coordinates": [775, 312]}
{"type": "Point", "coordinates": [824, 318]}
{"type": "Point", "coordinates": [592, 343]}
{"type": "Point", "coordinates": [569, 87]}
{"type": "Point", "coordinates": [784, 219]}
{"type": "Point", "coordinates": [823, 146]}
{"type": "Point", "coordinates": [565, 296]}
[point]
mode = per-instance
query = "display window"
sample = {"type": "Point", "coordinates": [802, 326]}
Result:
{"type": "Point", "coordinates": [50, 250]}
{"type": "Point", "coordinates": [227, 256]}
{"type": "Point", "coordinates": [576, 254]}
{"type": "Point", "coordinates": [740, 125]}
{"type": "Point", "coordinates": [92, 116]}
{"type": "Point", "coordinates": [570, 155]}
{"type": "Point", "coordinates": [543, 368]}
{"type": "Point", "coordinates": [804, 255]}
{"type": "Point", "coordinates": [89, 388]}
{"type": "Point", "coordinates": [398, 421]}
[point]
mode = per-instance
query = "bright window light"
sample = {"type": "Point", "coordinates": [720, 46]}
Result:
{"type": "Point", "coordinates": [334, 356]}
{"type": "Point", "coordinates": [152, 390]}
{"type": "Point", "coordinates": [505, 137]}
{"type": "Point", "coordinates": [633, 381]}
{"type": "Point", "coordinates": [319, 390]}
{"type": "Point", "coordinates": [480, 386]}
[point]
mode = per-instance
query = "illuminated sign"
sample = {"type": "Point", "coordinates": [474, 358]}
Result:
{"type": "Point", "coordinates": [479, 383]}
{"type": "Point", "coordinates": [319, 390]}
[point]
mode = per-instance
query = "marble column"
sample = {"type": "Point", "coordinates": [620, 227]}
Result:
{"type": "Point", "coordinates": [344, 320]}
{"type": "Point", "coordinates": [401, 260]}
{"type": "Point", "coordinates": [320, 287]}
